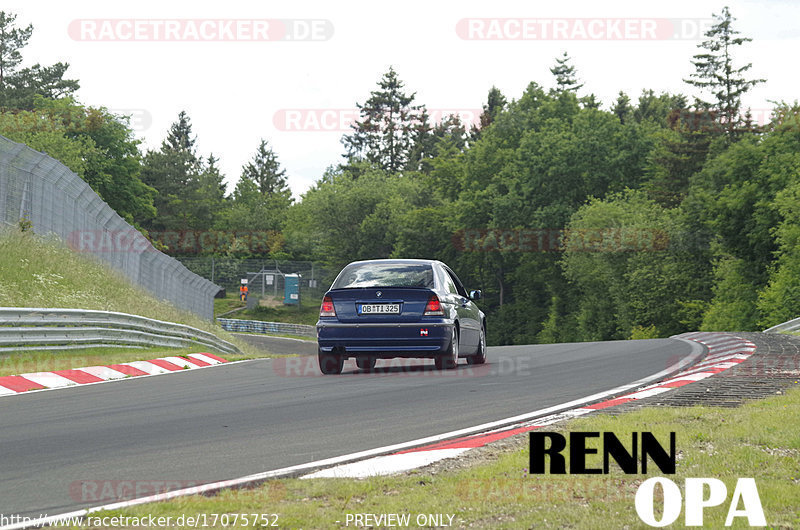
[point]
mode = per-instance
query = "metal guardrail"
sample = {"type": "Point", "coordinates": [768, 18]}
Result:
{"type": "Point", "coordinates": [791, 325]}
{"type": "Point", "coordinates": [25, 328]}
{"type": "Point", "coordinates": [257, 326]}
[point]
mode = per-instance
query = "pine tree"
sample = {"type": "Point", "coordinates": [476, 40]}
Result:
{"type": "Point", "coordinates": [423, 148]}
{"type": "Point", "coordinates": [453, 129]}
{"type": "Point", "coordinates": [179, 138]}
{"type": "Point", "coordinates": [174, 171]}
{"type": "Point", "coordinates": [679, 153]}
{"type": "Point", "coordinates": [213, 178]}
{"type": "Point", "coordinates": [715, 72]}
{"type": "Point", "coordinates": [657, 108]}
{"type": "Point", "coordinates": [495, 104]}
{"type": "Point", "coordinates": [590, 102]}
{"type": "Point", "coordinates": [19, 88]}
{"type": "Point", "coordinates": [566, 78]}
{"type": "Point", "coordinates": [389, 126]}
{"type": "Point", "coordinates": [449, 129]}
{"type": "Point", "coordinates": [262, 196]}
{"type": "Point", "coordinates": [12, 40]}
{"type": "Point", "coordinates": [622, 107]}
{"type": "Point", "coordinates": [265, 172]}
{"type": "Point", "coordinates": [207, 203]}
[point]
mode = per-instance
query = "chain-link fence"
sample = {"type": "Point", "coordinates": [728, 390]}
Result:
{"type": "Point", "coordinates": [41, 190]}
{"type": "Point", "coordinates": [266, 279]}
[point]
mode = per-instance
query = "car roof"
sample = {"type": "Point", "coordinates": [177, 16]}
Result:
{"type": "Point", "coordinates": [399, 260]}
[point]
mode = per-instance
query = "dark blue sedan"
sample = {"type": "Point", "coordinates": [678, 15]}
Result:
{"type": "Point", "coordinates": [381, 309]}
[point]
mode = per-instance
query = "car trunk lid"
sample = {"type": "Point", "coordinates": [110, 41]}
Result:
{"type": "Point", "coordinates": [348, 303]}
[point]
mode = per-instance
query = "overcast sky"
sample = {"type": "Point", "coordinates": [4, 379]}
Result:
{"type": "Point", "coordinates": [295, 79]}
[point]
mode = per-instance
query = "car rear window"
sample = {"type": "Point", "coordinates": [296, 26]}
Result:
{"type": "Point", "coordinates": [359, 275]}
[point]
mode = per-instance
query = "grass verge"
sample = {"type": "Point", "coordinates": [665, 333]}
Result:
{"type": "Point", "coordinates": [227, 304]}
{"type": "Point", "coordinates": [38, 271]}
{"type": "Point", "coordinates": [759, 440]}
{"type": "Point", "coordinates": [278, 335]}
{"type": "Point", "coordinates": [306, 313]}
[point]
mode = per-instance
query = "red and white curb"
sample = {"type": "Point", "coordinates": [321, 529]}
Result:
{"type": "Point", "coordinates": [724, 351]}
{"type": "Point", "coordinates": [16, 384]}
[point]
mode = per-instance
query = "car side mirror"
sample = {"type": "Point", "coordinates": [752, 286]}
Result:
{"type": "Point", "coordinates": [475, 295]}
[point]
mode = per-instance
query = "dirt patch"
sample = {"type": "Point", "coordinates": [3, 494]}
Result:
{"type": "Point", "coordinates": [269, 301]}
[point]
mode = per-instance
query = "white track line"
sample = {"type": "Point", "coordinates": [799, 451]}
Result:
{"type": "Point", "coordinates": [386, 465]}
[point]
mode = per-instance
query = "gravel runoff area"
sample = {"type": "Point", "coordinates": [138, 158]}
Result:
{"type": "Point", "coordinates": [773, 367]}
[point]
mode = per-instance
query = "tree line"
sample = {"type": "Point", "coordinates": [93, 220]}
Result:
{"type": "Point", "coordinates": [654, 216]}
{"type": "Point", "coordinates": [172, 189]}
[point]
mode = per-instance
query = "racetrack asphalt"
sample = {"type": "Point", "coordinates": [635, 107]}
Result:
{"type": "Point", "coordinates": [280, 345]}
{"type": "Point", "coordinates": [58, 447]}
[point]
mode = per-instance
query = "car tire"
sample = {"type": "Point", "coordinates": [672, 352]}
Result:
{"type": "Point", "coordinates": [330, 363]}
{"type": "Point", "coordinates": [449, 360]}
{"type": "Point", "coordinates": [366, 363]}
{"type": "Point", "coordinates": [480, 357]}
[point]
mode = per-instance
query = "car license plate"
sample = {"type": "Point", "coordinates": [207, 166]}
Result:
{"type": "Point", "coordinates": [378, 309]}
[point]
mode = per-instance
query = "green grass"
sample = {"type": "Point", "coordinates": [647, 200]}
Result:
{"type": "Point", "coordinates": [28, 361]}
{"type": "Point", "coordinates": [759, 439]}
{"type": "Point", "coordinates": [278, 335]}
{"type": "Point", "coordinates": [306, 313]}
{"type": "Point", "coordinates": [43, 272]}
{"type": "Point", "coordinates": [229, 303]}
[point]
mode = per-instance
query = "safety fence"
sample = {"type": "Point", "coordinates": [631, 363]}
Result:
{"type": "Point", "coordinates": [38, 190]}
{"type": "Point", "coordinates": [265, 277]}
{"type": "Point", "coordinates": [25, 328]}
{"type": "Point", "coordinates": [257, 326]}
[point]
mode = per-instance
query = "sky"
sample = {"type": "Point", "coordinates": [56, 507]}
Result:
{"type": "Point", "coordinates": [292, 72]}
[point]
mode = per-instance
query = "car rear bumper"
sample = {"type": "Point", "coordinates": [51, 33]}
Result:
{"type": "Point", "coordinates": [412, 340]}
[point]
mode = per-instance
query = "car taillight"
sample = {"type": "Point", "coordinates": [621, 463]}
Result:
{"type": "Point", "coordinates": [326, 309]}
{"type": "Point", "coordinates": [434, 307]}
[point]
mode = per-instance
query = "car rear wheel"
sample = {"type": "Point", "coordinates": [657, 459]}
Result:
{"type": "Point", "coordinates": [449, 360]}
{"type": "Point", "coordinates": [366, 363]}
{"type": "Point", "coordinates": [330, 363]}
{"type": "Point", "coordinates": [480, 356]}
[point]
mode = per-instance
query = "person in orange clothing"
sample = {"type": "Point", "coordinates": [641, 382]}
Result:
{"type": "Point", "coordinates": [243, 292]}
